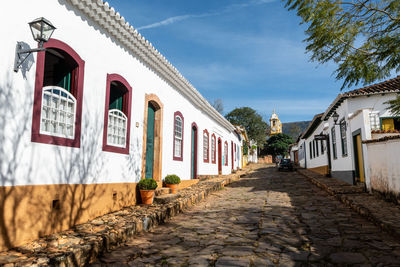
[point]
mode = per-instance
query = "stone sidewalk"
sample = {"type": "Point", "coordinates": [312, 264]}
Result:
{"type": "Point", "coordinates": [83, 243]}
{"type": "Point", "coordinates": [267, 218]}
{"type": "Point", "coordinates": [382, 213]}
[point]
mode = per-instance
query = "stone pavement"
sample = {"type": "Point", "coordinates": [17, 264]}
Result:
{"type": "Point", "coordinates": [267, 218]}
{"type": "Point", "coordinates": [382, 213]}
{"type": "Point", "coordinates": [83, 243]}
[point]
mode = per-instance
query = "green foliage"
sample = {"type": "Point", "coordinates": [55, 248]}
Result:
{"type": "Point", "coordinates": [394, 106]}
{"type": "Point", "coordinates": [278, 144]}
{"type": "Point", "coordinates": [147, 184]}
{"type": "Point", "coordinates": [245, 148]}
{"type": "Point", "coordinates": [253, 123]}
{"type": "Point", "coordinates": [172, 179]}
{"type": "Point", "coordinates": [361, 36]}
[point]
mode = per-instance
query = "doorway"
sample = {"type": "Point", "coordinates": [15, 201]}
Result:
{"type": "Point", "coordinates": [358, 157]}
{"type": "Point", "coordinates": [219, 156]}
{"type": "Point", "coordinates": [193, 164]}
{"type": "Point", "coordinates": [152, 138]}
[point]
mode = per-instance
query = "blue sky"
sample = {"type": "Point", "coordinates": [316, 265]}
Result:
{"type": "Point", "coordinates": [245, 52]}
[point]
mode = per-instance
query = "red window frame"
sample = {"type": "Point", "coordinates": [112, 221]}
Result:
{"type": "Point", "coordinates": [206, 160]}
{"type": "Point", "coordinates": [77, 76]}
{"type": "Point", "coordinates": [215, 149]}
{"type": "Point", "coordinates": [177, 113]}
{"type": "Point", "coordinates": [127, 100]}
{"type": "Point", "coordinates": [227, 153]}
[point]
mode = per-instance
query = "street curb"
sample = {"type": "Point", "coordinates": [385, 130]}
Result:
{"type": "Point", "coordinates": [362, 210]}
{"type": "Point", "coordinates": [86, 242]}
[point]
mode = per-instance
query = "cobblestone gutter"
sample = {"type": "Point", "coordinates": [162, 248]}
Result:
{"type": "Point", "coordinates": [382, 213]}
{"type": "Point", "coordinates": [82, 244]}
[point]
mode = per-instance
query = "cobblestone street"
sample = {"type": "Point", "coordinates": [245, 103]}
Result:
{"type": "Point", "coordinates": [267, 218]}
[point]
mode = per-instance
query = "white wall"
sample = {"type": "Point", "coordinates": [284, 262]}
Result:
{"type": "Point", "coordinates": [321, 159]}
{"type": "Point", "coordinates": [24, 162]}
{"type": "Point", "coordinates": [384, 167]}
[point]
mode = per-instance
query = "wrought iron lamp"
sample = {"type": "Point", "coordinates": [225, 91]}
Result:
{"type": "Point", "coordinates": [335, 117]}
{"type": "Point", "coordinates": [41, 29]}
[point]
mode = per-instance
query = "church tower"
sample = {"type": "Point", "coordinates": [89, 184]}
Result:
{"type": "Point", "coordinates": [275, 123]}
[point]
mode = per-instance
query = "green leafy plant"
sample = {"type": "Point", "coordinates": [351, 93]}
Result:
{"type": "Point", "coordinates": [147, 184]}
{"type": "Point", "coordinates": [172, 179]}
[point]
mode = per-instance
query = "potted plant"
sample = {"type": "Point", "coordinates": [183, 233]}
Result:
{"type": "Point", "coordinates": [146, 188]}
{"type": "Point", "coordinates": [172, 181]}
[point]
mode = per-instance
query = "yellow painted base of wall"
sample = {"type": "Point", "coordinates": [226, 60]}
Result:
{"type": "Point", "coordinates": [30, 212]}
{"type": "Point", "coordinates": [321, 170]}
{"type": "Point", "coordinates": [187, 183]}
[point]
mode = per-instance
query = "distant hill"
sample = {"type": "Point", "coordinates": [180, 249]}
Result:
{"type": "Point", "coordinates": [294, 129]}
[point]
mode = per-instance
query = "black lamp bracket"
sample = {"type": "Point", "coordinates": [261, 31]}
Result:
{"type": "Point", "coordinates": [22, 54]}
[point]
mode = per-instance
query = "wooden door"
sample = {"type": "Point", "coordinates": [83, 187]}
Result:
{"type": "Point", "coordinates": [219, 156]}
{"type": "Point", "coordinates": [150, 142]}
{"type": "Point", "coordinates": [359, 159]}
{"type": "Point", "coordinates": [193, 167]}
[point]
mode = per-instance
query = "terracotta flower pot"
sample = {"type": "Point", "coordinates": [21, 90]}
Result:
{"type": "Point", "coordinates": [174, 188]}
{"type": "Point", "coordinates": [147, 196]}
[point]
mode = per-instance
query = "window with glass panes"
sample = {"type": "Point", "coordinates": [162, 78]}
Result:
{"type": "Point", "coordinates": [213, 149]}
{"type": "Point", "coordinates": [205, 146]}
{"type": "Point", "coordinates": [178, 137]}
{"type": "Point", "coordinates": [343, 137]}
{"type": "Point", "coordinates": [226, 153]}
{"type": "Point", "coordinates": [117, 120]}
{"type": "Point", "coordinates": [334, 147]}
{"type": "Point", "coordinates": [57, 103]}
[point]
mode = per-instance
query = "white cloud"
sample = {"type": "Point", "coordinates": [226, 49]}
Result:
{"type": "Point", "coordinates": [226, 9]}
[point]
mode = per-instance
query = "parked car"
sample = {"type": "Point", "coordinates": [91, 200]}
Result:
{"type": "Point", "coordinates": [286, 164]}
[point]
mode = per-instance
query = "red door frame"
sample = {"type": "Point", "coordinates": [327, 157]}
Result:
{"type": "Point", "coordinates": [219, 156]}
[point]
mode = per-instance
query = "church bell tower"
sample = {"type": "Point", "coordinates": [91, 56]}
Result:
{"type": "Point", "coordinates": [275, 123]}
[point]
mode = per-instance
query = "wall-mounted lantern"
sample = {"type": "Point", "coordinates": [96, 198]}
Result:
{"type": "Point", "coordinates": [41, 29]}
{"type": "Point", "coordinates": [335, 117]}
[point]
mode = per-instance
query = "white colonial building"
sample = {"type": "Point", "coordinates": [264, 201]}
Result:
{"type": "Point", "coordinates": [351, 125]}
{"type": "Point", "coordinates": [84, 120]}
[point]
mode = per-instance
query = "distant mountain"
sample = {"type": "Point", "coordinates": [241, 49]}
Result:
{"type": "Point", "coordinates": [294, 129]}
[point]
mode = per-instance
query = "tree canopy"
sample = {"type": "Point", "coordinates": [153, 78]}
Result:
{"type": "Point", "coordinates": [361, 36]}
{"type": "Point", "coordinates": [278, 144]}
{"type": "Point", "coordinates": [253, 123]}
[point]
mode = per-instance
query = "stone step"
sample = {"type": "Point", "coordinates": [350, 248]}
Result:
{"type": "Point", "coordinates": [165, 199]}
{"type": "Point", "coordinates": [162, 191]}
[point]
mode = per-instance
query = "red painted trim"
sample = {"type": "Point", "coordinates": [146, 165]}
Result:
{"type": "Point", "coordinates": [227, 153]}
{"type": "Point", "coordinates": [215, 149]}
{"type": "Point", "coordinates": [127, 111]}
{"type": "Point", "coordinates": [194, 141]}
{"type": "Point", "coordinates": [207, 160]}
{"type": "Point", "coordinates": [232, 153]}
{"type": "Point", "coordinates": [77, 89]}
{"type": "Point", "coordinates": [177, 113]}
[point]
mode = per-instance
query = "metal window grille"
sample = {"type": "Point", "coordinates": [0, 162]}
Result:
{"type": "Point", "coordinates": [213, 148]}
{"type": "Point", "coordinates": [343, 137]}
{"type": "Point", "coordinates": [205, 146]}
{"type": "Point", "coordinates": [374, 121]}
{"type": "Point", "coordinates": [58, 112]}
{"type": "Point", "coordinates": [117, 128]}
{"type": "Point", "coordinates": [334, 149]}
{"type": "Point", "coordinates": [178, 137]}
{"type": "Point", "coordinates": [226, 153]}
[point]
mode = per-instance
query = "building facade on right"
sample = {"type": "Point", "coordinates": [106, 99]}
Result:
{"type": "Point", "coordinates": [341, 142]}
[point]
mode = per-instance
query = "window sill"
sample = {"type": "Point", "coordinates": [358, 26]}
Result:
{"type": "Point", "coordinates": [115, 149]}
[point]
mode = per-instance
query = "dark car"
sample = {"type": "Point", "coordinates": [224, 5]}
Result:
{"type": "Point", "coordinates": [286, 164]}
